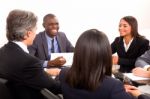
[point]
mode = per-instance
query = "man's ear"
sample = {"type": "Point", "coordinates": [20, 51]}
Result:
{"type": "Point", "coordinates": [27, 34]}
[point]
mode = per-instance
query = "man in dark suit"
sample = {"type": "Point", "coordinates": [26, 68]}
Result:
{"type": "Point", "coordinates": [24, 72]}
{"type": "Point", "coordinates": [50, 41]}
{"type": "Point", "coordinates": [142, 65]}
{"type": "Point", "coordinates": [144, 60]}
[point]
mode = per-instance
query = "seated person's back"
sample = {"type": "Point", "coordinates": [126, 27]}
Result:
{"type": "Point", "coordinates": [24, 72]}
{"type": "Point", "coordinates": [89, 77]}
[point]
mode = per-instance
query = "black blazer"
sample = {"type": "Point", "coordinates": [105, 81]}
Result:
{"type": "Point", "coordinates": [110, 88]}
{"type": "Point", "coordinates": [127, 59]}
{"type": "Point", "coordinates": [24, 72]}
{"type": "Point", "coordinates": [143, 97]}
{"type": "Point", "coordinates": [39, 48]}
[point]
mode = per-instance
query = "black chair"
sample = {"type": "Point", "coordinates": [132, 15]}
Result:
{"type": "Point", "coordinates": [50, 95]}
{"type": "Point", "coordinates": [7, 91]}
{"type": "Point", "coordinates": [4, 91]}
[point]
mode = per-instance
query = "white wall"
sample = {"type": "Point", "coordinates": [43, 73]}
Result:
{"type": "Point", "coordinates": [76, 16]}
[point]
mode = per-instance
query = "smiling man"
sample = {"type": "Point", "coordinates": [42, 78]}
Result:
{"type": "Point", "coordinates": [50, 41]}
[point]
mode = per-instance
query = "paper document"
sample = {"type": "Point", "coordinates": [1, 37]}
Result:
{"type": "Point", "coordinates": [67, 56]}
{"type": "Point", "coordinates": [134, 78]}
{"type": "Point", "coordinates": [144, 89]}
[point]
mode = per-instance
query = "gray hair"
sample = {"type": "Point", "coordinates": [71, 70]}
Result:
{"type": "Point", "coordinates": [18, 23]}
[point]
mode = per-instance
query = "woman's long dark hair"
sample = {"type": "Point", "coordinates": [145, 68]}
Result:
{"type": "Point", "coordinates": [91, 62]}
{"type": "Point", "coordinates": [134, 25]}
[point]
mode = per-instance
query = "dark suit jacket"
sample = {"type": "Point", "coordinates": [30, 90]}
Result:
{"type": "Point", "coordinates": [143, 97]}
{"type": "Point", "coordinates": [110, 88]}
{"type": "Point", "coordinates": [127, 59]}
{"type": "Point", "coordinates": [39, 47]}
{"type": "Point", "coordinates": [143, 60]}
{"type": "Point", "coordinates": [24, 72]}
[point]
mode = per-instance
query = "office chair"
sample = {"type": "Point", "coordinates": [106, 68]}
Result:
{"type": "Point", "coordinates": [49, 95]}
{"type": "Point", "coordinates": [4, 91]}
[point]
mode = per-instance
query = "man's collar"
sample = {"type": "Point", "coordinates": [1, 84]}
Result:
{"type": "Point", "coordinates": [22, 45]}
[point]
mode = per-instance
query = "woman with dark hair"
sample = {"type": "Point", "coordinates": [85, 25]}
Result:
{"type": "Point", "coordinates": [129, 45]}
{"type": "Point", "coordinates": [90, 74]}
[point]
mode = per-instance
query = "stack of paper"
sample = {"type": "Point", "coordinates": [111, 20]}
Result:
{"type": "Point", "coordinates": [134, 78]}
{"type": "Point", "coordinates": [145, 89]}
{"type": "Point", "coordinates": [67, 56]}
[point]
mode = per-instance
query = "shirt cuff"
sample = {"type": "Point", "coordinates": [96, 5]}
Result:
{"type": "Point", "coordinates": [146, 67]}
{"type": "Point", "coordinates": [45, 64]}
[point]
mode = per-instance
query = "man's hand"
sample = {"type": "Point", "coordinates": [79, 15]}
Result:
{"type": "Point", "coordinates": [141, 72]}
{"type": "Point", "coordinates": [53, 71]}
{"type": "Point", "coordinates": [59, 61]}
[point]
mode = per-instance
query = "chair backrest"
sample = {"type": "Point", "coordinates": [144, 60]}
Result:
{"type": "Point", "coordinates": [7, 92]}
{"type": "Point", "coordinates": [4, 91]}
{"type": "Point", "coordinates": [49, 95]}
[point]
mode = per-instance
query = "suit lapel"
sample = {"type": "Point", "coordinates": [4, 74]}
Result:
{"type": "Point", "coordinates": [132, 46]}
{"type": "Point", "coordinates": [44, 45]}
{"type": "Point", "coordinates": [60, 43]}
{"type": "Point", "coordinates": [122, 48]}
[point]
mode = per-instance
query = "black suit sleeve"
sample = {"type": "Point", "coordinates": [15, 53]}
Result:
{"type": "Point", "coordinates": [143, 97]}
{"type": "Point", "coordinates": [36, 77]}
{"type": "Point", "coordinates": [118, 92]}
{"type": "Point", "coordinates": [113, 46]}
